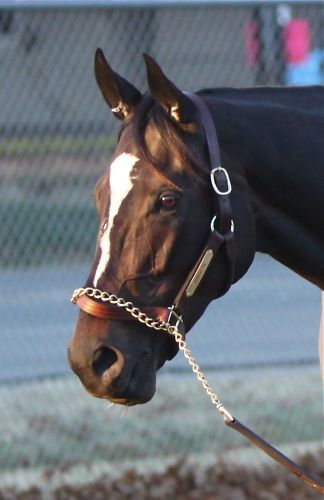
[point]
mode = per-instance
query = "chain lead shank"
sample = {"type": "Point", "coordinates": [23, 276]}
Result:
{"type": "Point", "coordinates": [229, 420]}
{"type": "Point", "coordinates": [156, 325]}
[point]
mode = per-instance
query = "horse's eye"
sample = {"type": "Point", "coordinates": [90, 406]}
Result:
{"type": "Point", "coordinates": [169, 201]}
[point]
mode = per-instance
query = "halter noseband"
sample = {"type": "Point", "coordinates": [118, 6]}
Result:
{"type": "Point", "coordinates": [221, 237]}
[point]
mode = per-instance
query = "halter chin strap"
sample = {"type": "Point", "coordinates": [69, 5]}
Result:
{"type": "Point", "coordinates": [223, 236]}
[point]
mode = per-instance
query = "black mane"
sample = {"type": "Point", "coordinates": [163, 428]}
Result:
{"type": "Point", "coordinates": [308, 99]}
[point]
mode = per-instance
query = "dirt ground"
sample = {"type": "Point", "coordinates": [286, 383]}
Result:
{"type": "Point", "coordinates": [184, 481]}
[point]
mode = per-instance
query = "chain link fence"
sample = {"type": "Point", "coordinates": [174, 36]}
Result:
{"type": "Point", "coordinates": [56, 136]}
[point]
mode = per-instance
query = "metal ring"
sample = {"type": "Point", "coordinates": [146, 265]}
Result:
{"type": "Point", "coordinates": [212, 223]}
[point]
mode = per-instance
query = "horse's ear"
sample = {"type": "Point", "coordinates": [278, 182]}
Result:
{"type": "Point", "coordinates": [120, 95]}
{"type": "Point", "coordinates": [178, 106]}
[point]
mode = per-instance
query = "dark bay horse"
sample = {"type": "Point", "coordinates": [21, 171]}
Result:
{"type": "Point", "coordinates": [155, 204]}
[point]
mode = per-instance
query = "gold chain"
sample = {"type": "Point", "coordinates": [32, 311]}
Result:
{"type": "Point", "coordinates": [95, 293]}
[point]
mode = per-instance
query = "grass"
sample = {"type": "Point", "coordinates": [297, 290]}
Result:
{"type": "Point", "coordinates": [55, 423]}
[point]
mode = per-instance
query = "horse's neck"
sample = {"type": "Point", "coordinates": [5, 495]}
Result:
{"type": "Point", "coordinates": [281, 163]}
{"type": "Point", "coordinates": [289, 242]}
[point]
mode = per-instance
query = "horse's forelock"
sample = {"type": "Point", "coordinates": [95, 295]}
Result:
{"type": "Point", "coordinates": [150, 113]}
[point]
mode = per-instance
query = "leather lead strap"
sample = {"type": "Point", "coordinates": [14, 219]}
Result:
{"type": "Point", "coordinates": [276, 455]}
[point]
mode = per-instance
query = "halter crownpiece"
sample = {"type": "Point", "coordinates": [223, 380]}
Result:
{"type": "Point", "coordinates": [105, 305]}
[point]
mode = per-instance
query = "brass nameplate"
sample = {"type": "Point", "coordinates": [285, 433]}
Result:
{"type": "Point", "coordinates": [200, 273]}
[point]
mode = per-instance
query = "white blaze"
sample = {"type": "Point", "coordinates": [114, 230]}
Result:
{"type": "Point", "coordinates": [121, 182]}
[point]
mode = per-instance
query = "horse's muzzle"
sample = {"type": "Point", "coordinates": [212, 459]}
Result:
{"type": "Point", "coordinates": [109, 376]}
{"type": "Point", "coordinates": [115, 363]}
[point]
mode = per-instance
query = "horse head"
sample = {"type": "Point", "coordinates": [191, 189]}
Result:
{"type": "Point", "coordinates": [155, 207]}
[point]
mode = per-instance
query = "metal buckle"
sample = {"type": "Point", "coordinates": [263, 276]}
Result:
{"type": "Point", "coordinates": [177, 316]}
{"type": "Point", "coordinates": [214, 184]}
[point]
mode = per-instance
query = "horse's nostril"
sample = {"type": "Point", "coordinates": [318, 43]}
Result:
{"type": "Point", "coordinates": [103, 359]}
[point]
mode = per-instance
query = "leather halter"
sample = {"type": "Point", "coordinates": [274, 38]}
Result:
{"type": "Point", "coordinates": [221, 237]}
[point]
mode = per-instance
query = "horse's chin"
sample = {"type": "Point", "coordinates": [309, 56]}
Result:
{"type": "Point", "coordinates": [135, 393]}
{"type": "Point", "coordinates": [136, 389]}
{"type": "Point", "coordinates": [129, 402]}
